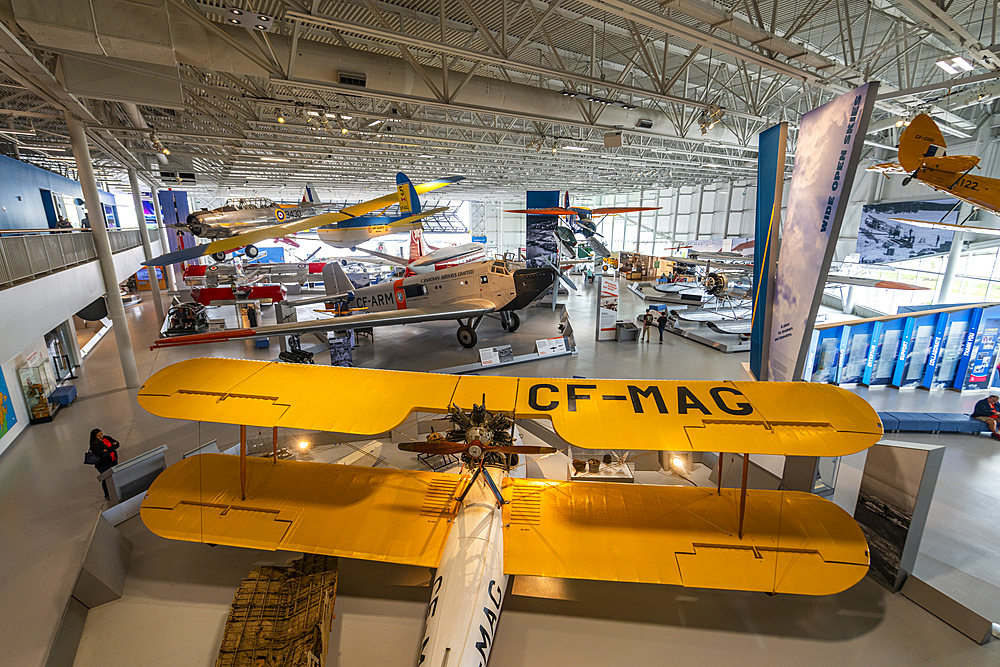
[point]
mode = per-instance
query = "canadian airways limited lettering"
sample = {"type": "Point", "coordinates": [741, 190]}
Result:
{"type": "Point", "coordinates": [544, 398]}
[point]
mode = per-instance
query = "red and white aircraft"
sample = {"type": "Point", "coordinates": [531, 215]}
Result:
{"type": "Point", "coordinates": [424, 258]}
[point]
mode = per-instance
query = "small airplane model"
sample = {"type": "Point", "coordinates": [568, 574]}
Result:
{"type": "Point", "coordinates": [923, 156]}
{"type": "Point", "coordinates": [467, 292]}
{"type": "Point", "coordinates": [423, 258]}
{"type": "Point", "coordinates": [351, 224]}
{"type": "Point", "coordinates": [582, 218]}
{"type": "Point", "coordinates": [481, 526]}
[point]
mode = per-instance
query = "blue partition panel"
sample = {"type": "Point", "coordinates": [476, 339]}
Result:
{"type": "Point", "coordinates": [912, 357]}
{"type": "Point", "coordinates": [855, 351]}
{"type": "Point", "coordinates": [934, 354]}
{"type": "Point", "coordinates": [949, 353]}
{"type": "Point", "coordinates": [889, 340]}
{"type": "Point", "coordinates": [983, 351]}
{"type": "Point", "coordinates": [827, 360]}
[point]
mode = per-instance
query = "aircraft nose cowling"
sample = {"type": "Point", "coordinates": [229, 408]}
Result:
{"type": "Point", "coordinates": [530, 283]}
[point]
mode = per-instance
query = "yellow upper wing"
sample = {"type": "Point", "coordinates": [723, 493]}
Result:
{"type": "Point", "coordinates": [752, 417]}
{"type": "Point", "coordinates": [792, 542]}
{"type": "Point", "coordinates": [368, 513]}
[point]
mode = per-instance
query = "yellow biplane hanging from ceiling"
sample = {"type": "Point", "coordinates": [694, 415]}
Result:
{"type": "Point", "coordinates": [479, 527]}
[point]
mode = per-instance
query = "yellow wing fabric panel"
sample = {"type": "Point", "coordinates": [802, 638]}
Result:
{"type": "Point", "coordinates": [746, 417]}
{"type": "Point", "coordinates": [792, 542]}
{"type": "Point", "coordinates": [367, 513]}
{"type": "Point", "coordinates": [703, 416]}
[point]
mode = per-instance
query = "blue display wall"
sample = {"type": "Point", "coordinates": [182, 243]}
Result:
{"type": "Point", "coordinates": [954, 348]}
{"type": "Point", "coordinates": [23, 193]}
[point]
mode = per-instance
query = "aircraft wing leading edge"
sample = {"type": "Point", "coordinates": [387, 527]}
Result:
{"type": "Point", "coordinates": [793, 418]}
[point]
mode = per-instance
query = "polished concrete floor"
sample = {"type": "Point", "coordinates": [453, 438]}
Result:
{"type": "Point", "coordinates": [177, 595]}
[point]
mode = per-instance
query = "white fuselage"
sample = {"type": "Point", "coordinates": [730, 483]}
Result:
{"type": "Point", "coordinates": [445, 258]}
{"type": "Point", "coordinates": [469, 586]}
{"type": "Point", "coordinates": [344, 236]}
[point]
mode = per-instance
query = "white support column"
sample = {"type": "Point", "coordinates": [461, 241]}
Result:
{"type": "Point", "coordinates": [168, 271]}
{"type": "Point", "coordinates": [99, 231]}
{"type": "Point", "coordinates": [954, 257]}
{"type": "Point", "coordinates": [147, 249]}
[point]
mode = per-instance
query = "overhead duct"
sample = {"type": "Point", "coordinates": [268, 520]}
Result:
{"type": "Point", "coordinates": [316, 65]}
{"type": "Point", "coordinates": [134, 115]}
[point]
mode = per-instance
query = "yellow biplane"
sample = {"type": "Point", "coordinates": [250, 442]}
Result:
{"type": "Point", "coordinates": [483, 525]}
{"type": "Point", "coordinates": [922, 156]}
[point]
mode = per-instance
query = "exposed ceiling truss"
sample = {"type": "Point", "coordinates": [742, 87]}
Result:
{"type": "Point", "coordinates": [510, 93]}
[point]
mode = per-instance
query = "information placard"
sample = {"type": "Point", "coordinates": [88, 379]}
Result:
{"type": "Point", "coordinates": [491, 356]}
{"type": "Point", "coordinates": [547, 346]}
{"type": "Point", "coordinates": [607, 308]}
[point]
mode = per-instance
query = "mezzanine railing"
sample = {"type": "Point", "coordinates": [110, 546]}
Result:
{"type": "Point", "coordinates": [26, 254]}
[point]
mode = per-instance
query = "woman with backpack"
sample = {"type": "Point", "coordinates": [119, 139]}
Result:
{"type": "Point", "coordinates": [102, 454]}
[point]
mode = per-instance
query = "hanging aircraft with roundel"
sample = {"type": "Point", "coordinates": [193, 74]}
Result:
{"type": "Point", "coordinates": [345, 228]}
{"type": "Point", "coordinates": [481, 526]}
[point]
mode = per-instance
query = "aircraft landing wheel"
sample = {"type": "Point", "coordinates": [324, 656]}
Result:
{"type": "Point", "coordinates": [510, 322]}
{"type": "Point", "coordinates": [467, 336]}
{"type": "Point", "coordinates": [251, 251]}
{"type": "Point", "coordinates": [906, 181]}
{"type": "Point", "coordinates": [219, 256]}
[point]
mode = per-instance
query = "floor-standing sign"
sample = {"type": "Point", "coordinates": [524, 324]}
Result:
{"type": "Point", "coordinates": [770, 181]}
{"type": "Point", "coordinates": [540, 230]}
{"type": "Point", "coordinates": [829, 147]}
{"type": "Point", "coordinates": [607, 307]}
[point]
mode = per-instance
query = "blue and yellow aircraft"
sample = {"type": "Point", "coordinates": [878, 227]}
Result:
{"type": "Point", "coordinates": [345, 228]}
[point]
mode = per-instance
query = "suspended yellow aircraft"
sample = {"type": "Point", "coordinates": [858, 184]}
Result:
{"type": "Point", "coordinates": [922, 156]}
{"type": "Point", "coordinates": [481, 526]}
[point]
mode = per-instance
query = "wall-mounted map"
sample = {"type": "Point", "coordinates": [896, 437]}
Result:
{"type": "Point", "coordinates": [7, 416]}
{"type": "Point", "coordinates": [881, 239]}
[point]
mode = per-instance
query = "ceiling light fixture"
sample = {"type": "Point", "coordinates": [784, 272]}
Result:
{"type": "Point", "coordinates": [343, 130]}
{"type": "Point", "coordinates": [274, 159]}
{"type": "Point", "coordinates": [374, 122]}
{"type": "Point", "coordinates": [281, 119]}
{"type": "Point", "coordinates": [312, 113]}
{"type": "Point", "coordinates": [575, 148]}
{"type": "Point", "coordinates": [955, 65]}
{"type": "Point", "coordinates": [426, 157]}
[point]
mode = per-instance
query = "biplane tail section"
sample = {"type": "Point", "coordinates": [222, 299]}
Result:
{"type": "Point", "coordinates": [309, 196]}
{"type": "Point", "coordinates": [408, 200]}
{"type": "Point", "coordinates": [922, 139]}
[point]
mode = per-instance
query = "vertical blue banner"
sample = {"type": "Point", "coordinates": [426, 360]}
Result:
{"type": "Point", "coordinates": [770, 179]}
{"type": "Point", "coordinates": [540, 230]}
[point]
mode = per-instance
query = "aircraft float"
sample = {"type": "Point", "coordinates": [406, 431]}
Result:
{"type": "Point", "coordinates": [468, 292]}
{"type": "Point", "coordinates": [482, 526]}
{"type": "Point", "coordinates": [349, 226]}
{"type": "Point", "coordinates": [923, 156]}
{"type": "Point", "coordinates": [581, 218]}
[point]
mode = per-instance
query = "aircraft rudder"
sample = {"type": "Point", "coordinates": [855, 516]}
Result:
{"type": "Point", "coordinates": [921, 139]}
{"type": "Point", "coordinates": [408, 200]}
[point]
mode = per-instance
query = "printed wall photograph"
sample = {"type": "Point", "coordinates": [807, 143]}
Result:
{"type": "Point", "coordinates": [7, 416]}
{"type": "Point", "coordinates": [884, 237]}
{"type": "Point", "coordinates": [886, 500]}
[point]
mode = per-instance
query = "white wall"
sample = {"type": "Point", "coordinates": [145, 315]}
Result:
{"type": "Point", "coordinates": [50, 300]}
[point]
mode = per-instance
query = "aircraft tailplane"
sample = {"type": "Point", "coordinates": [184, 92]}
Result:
{"type": "Point", "coordinates": [408, 200]}
{"type": "Point", "coordinates": [335, 280]}
{"type": "Point", "coordinates": [920, 140]}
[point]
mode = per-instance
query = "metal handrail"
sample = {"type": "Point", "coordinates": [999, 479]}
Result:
{"type": "Point", "coordinates": [29, 254]}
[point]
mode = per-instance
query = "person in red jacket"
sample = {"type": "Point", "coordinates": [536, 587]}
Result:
{"type": "Point", "coordinates": [104, 447]}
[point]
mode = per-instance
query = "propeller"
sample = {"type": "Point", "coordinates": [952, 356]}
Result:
{"type": "Point", "coordinates": [561, 274]}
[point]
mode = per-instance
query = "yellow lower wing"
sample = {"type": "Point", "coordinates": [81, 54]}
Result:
{"type": "Point", "coordinates": [792, 542]}
{"type": "Point", "coordinates": [367, 513]}
{"type": "Point", "coordinates": [799, 418]}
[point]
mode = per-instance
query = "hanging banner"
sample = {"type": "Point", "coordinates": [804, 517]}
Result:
{"type": "Point", "coordinates": [607, 307]}
{"type": "Point", "coordinates": [829, 147]}
{"type": "Point", "coordinates": [770, 182]}
{"type": "Point", "coordinates": [540, 230]}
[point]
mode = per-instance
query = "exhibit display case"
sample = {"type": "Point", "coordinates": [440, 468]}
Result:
{"type": "Point", "coordinates": [37, 383]}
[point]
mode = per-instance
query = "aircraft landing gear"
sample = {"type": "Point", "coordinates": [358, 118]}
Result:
{"type": "Point", "coordinates": [906, 181]}
{"type": "Point", "coordinates": [509, 321]}
{"type": "Point", "coordinates": [467, 332]}
{"type": "Point", "coordinates": [251, 251]}
{"type": "Point", "coordinates": [467, 336]}
{"type": "Point", "coordinates": [219, 256]}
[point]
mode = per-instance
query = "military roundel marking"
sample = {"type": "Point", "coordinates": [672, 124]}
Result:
{"type": "Point", "coordinates": [279, 214]}
{"type": "Point", "coordinates": [399, 296]}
